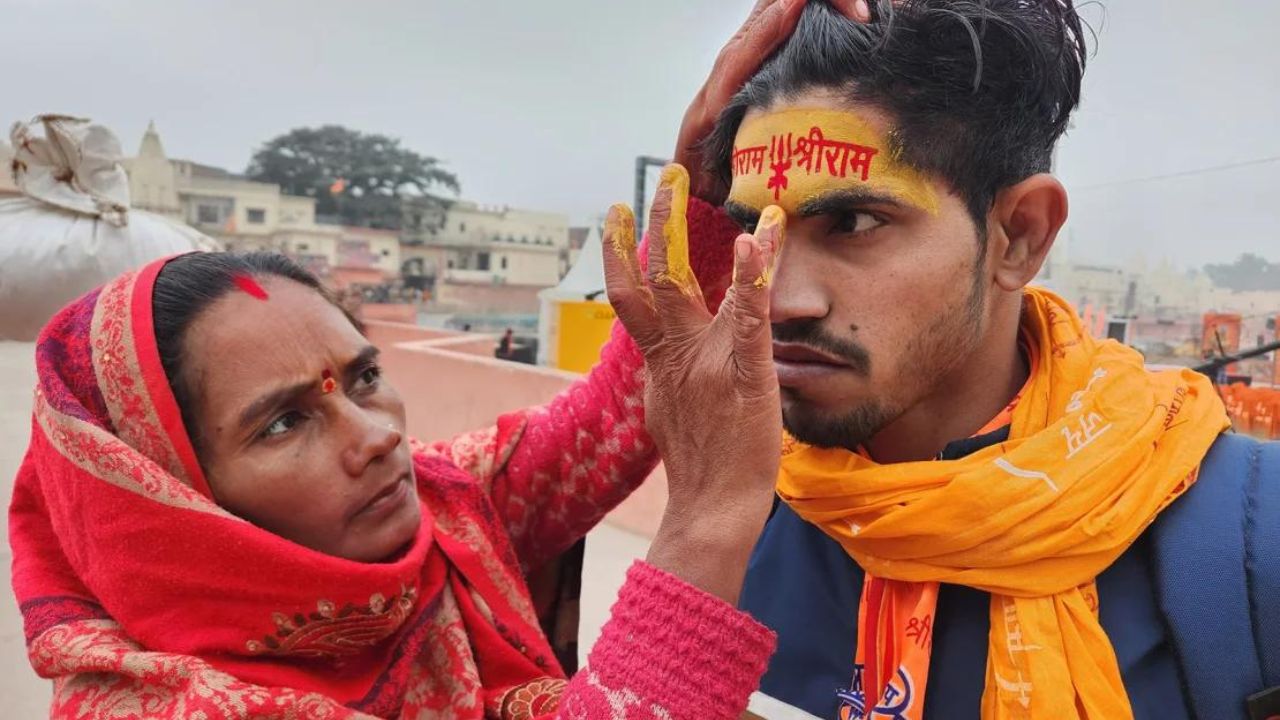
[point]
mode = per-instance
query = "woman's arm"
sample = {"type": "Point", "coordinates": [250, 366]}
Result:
{"type": "Point", "coordinates": [669, 650]}
{"type": "Point", "coordinates": [674, 646]}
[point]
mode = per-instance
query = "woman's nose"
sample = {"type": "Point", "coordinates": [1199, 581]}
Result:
{"type": "Point", "coordinates": [372, 438]}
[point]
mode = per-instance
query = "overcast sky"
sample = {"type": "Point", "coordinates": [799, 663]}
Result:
{"type": "Point", "coordinates": [545, 104]}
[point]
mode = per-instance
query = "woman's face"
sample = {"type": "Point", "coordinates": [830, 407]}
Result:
{"type": "Point", "coordinates": [297, 430]}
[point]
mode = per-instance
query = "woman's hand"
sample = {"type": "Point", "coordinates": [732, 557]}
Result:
{"type": "Point", "coordinates": [770, 23]}
{"type": "Point", "coordinates": [711, 401]}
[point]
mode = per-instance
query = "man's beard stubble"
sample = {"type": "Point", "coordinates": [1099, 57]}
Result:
{"type": "Point", "coordinates": [929, 356]}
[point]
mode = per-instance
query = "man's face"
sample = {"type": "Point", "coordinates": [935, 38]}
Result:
{"type": "Point", "coordinates": [880, 287]}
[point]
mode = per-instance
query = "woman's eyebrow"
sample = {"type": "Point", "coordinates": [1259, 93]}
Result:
{"type": "Point", "coordinates": [287, 394]}
{"type": "Point", "coordinates": [367, 355]}
{"type": "Point", "coordinates": [274, 399]}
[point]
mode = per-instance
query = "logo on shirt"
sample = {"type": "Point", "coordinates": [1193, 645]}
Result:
{"type": "Point", "coordinates": [894, 705]}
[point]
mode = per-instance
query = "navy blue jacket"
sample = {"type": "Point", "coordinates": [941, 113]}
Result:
{"type": "Point", "coordinates": [804, 586]}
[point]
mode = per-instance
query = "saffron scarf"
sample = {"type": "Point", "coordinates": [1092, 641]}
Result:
{"type": "Point", "coordinates": [142, 597]}
{"type": "Point", "coordinates": [1097, 447]}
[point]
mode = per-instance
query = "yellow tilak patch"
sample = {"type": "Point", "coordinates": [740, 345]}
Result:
{"type": "Point", "coordinates": [789, 157]}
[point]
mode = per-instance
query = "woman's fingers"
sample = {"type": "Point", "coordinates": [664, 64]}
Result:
{"type": "Point", "coordinates": [675, 290]}
{"type": "Point", "coordinates": [856, 10]}
{"type": "Point", "coordinates": [628, 293]}
{"type": "Point", "coordinates": [754, 258]}
{"type": "Point", "coordinates": [768, 26]}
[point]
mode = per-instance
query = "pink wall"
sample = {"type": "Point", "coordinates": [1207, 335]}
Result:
{"type": "Point", "coordinates": [486, 297]}
{"type": "Point", "coordinates": [451, 383]}
{"type": "Point", "coordinates": [392, 312]}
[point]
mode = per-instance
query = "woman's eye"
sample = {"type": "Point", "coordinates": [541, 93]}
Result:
{"type": "Point", "coordinates": [282, 424]}
{"type": "Point", "coordinates": [856, 222]}
{"type": "Point", "coordinates": [369, 376]}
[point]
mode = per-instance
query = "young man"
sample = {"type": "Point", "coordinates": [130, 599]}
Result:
{"type": "Point", "coordinates": [984, 512]}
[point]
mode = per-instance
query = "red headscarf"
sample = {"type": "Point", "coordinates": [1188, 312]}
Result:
{"type": "Point", "coordinates": [140, 596]}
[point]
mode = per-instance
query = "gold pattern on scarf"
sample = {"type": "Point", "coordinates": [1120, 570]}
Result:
{"type": "Point", "coordinates": [537, 698]}
{"type": "Point", "coordinates": [331, 631]}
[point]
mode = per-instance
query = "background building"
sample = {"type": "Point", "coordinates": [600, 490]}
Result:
{"type": "Point", "coordinates": [243, 214]}
{"type": "Point", "coordinates": [484, 258]}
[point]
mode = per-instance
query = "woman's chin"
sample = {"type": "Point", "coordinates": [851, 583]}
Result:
{"type": "Point", "coordinates": [389, 539]}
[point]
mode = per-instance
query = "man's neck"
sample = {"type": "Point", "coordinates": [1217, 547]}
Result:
{"type": "Point", "coordinates": [966, 400]}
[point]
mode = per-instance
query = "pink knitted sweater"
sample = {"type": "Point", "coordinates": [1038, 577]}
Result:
{"type": "Point", "coordinates": [669, 650]}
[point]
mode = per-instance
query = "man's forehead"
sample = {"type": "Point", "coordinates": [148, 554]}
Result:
{"type": "Point", "coordinates": [823, 99]}
{"type": "Point", "coordinates": [791, 154]}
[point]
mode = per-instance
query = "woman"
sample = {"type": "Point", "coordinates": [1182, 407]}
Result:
{"type": "Point", "coordinates": [219, 516]}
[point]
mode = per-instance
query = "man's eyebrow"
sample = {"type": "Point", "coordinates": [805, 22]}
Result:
{"type": "Point", "coordinates": [743, 215]}
{"type": "Point", "coordinates": [847, 200]}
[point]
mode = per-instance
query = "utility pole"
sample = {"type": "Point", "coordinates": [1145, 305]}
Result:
{"type": "Point", "coordinates": [643, 163]}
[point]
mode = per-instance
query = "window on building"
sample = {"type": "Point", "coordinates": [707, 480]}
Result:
{"type": "Point", "coordinates": [302, 247]}
{"type": "Point", "coordinates": [504, 262]}
{"type": "Point", "coordinates": [462, 227]}
{"type": "Point", "coordinates": [208, 214]}
{"type": "Point", "coordinates": [256, 216]}
{"type": "Point", "coordinates": [524, 239]}
{"type": "Point", "coordinates": [386, 252]}
{"type": "Point", "coordinates": [482, 261]}
{"type": "Point", "coordinates": [450, 264]}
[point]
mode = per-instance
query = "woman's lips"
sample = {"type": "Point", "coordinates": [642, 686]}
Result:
{"type": "Point", "coordinates": [387, 499]}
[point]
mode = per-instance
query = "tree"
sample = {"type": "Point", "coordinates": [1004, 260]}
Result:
{"type": "Point", "coordinates": [1248, 272]}
{"type": "Point", "coordinates": [357, 177]}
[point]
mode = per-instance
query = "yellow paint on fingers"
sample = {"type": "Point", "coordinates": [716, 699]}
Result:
{"type": "Point", "coordinates": [675, 232]}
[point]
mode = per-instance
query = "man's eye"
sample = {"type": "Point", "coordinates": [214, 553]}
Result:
{"type": "Point", "coordinates": [282, 424]}
{"type": "Point", "coordinates": [855, 222]}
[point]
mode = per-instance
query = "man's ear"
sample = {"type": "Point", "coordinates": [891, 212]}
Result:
{"type": "Point", "coordinates": [1024, 222]}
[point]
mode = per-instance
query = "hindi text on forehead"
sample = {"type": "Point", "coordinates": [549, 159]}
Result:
{"type": "Point", "coordinates": [813, 153]}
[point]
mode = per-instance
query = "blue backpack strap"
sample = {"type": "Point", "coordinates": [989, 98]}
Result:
{"type": "Point", "coordinates": [1263, 561]}
{"type": "Point", "coordinates": [1216, 557]}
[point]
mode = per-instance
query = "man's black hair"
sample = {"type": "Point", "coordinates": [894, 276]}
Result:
{"type": "Point", "coordinates": [978, 91]}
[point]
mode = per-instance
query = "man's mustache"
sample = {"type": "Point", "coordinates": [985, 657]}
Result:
{"type": "Point", "coordinates": [811, 334]}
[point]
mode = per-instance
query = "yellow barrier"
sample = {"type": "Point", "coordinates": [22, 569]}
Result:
{"type": "Point", "coordinates": [582, 330]}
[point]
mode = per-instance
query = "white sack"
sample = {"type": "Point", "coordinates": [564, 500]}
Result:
{"type": "Point", "coordinates": [72, 230]}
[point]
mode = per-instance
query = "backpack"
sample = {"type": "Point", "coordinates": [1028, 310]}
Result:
{"type": "Point", "coordinates": [1216, 558]}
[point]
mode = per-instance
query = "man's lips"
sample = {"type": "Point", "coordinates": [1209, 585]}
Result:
{"type": "Point", "coordinates": [800, 365]}
{"type": "Point", "coordinates": [803, 355]}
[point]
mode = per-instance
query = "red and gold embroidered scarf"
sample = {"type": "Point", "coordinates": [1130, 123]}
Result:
{"type": "Point", "coordinates": [141, 597]}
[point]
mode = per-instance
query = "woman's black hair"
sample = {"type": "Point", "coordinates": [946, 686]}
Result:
{"type": "Point", "coordinates": [188, 285]}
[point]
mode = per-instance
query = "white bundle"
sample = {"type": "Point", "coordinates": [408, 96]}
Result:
{"type": "Point", "coordinates": [71, 230]}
